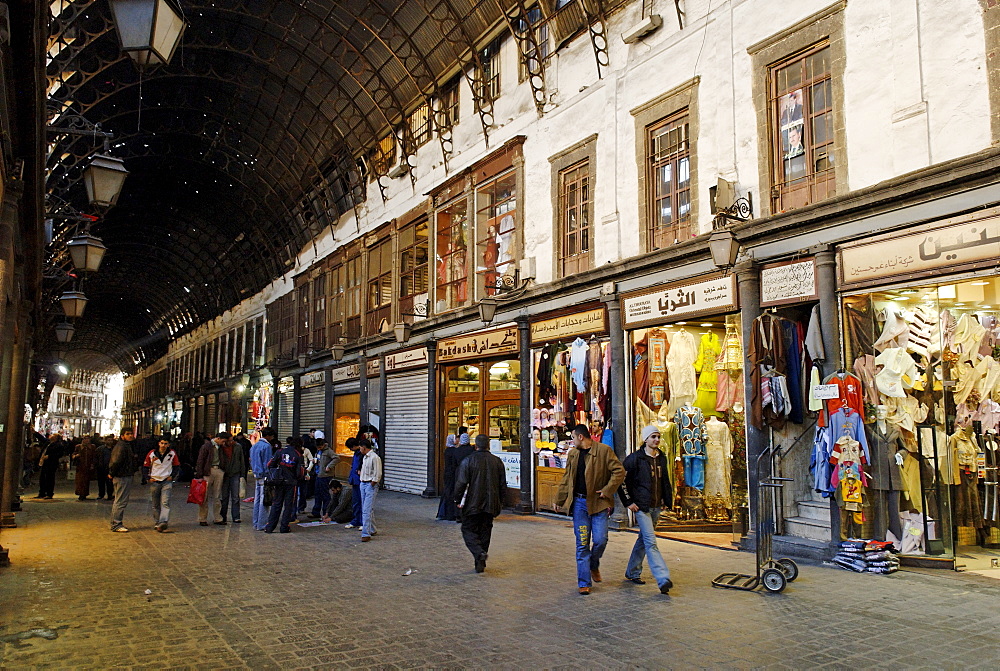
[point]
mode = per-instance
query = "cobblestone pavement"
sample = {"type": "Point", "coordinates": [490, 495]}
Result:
{"type": "Point", "coordinates": [230, 597]}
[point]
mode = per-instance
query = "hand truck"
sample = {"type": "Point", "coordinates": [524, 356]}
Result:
{"type": "Point", "coordinates": [773, 574]}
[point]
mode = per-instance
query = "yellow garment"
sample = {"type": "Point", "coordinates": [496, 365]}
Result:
{"type": "Point", "coordinates": [708, 379]}
{"type": "Point", "coordinates": [911, 484]}
{"type": "Point", "coordinates": [905, 412]}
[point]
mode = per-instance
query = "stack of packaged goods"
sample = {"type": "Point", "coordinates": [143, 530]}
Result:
{"type": "Point", "coordinates": [867, 556]}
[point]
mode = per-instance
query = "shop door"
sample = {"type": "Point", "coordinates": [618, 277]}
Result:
{"type": "Point", "coordinates": [406, 421]}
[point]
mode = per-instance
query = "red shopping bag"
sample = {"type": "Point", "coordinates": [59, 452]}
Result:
{"type": "Point", "coordinates": [197, 493]}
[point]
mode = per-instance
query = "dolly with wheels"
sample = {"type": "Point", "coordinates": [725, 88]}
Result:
{"type": "Point", "coordinates": [773, 574]}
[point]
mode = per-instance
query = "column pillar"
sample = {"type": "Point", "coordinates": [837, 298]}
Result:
{"type": "Point", "coordinates": [14, 428]}
{"type": "Point", "coordinates": [829, 310]}
{"type": "Point", "coordinates": [363, 394]}
{"type": "Point", "coordinates": [432, 426]}
{"type": "Point", "coordinates": [296, 404]}
{"type": "Point", "coordinates": [619, 423]}
{"type": "Point", "coordinates": [328, 427]}
{"type": "Point", "coordinates": [7, 382]}
{"type": "Point", "coordinates": [525, 505]}
{"type": "Point", "coordinates": [381, 396]}
{"type": "Point", "coordinates": [748, 284]}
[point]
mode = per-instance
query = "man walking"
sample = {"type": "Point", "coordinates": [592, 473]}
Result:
{"type": "Point", "coordinates": [593, 475]}
{"type": "Point", "coordinates": [260, 454]}
{"type": "Point", "coordinates": [208, 469]}
{"type": "Point", "coordinates": [480, 487]}
{"type": "Point", "coordinates": [160, 469]}
{"type": "Point", "coordinates": [234, 469]}
{"type": "Point", "coordinates": [48, 466]}
{"type": "Point", "coordinates": [645, 491]}
{"type": "Point", "coordinates": [101, 468]}
{"type": "Point", "coordinates": [371, 476]}
{"type": "Point", "coordinates": [288, 464]}
{"type": "Point", "coordinates": [354, 479]}
{"type": "Point", "coordinates": [121, 468]}
{"type": "Point", "coordinates": [327, 461]}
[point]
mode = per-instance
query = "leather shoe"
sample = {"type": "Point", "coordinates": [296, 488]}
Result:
{"type": "Point", "coordinates": [637, 581]}
{"type": "Point", "coordinates": [481, 563]}
{"type": "Point", "coordinates": [204, 524]}
{"type": "Point", "coordinates": [665, 587]}
{"type": "Point", "coordinates": [365, 539]}
{"type": "Point", "coordinates": [584, 591]}
{"type": "Point", "coordinates": [595, 575]}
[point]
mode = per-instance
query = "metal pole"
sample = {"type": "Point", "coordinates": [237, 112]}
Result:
{"type": "Point", "coordinates": [525, 505]}
{"type": "Point", "coordinates": [748, 282]}
{"type": "Point", "coordinates": [619, 426]}
{"type": "Point", "coordinates": [432, 423]}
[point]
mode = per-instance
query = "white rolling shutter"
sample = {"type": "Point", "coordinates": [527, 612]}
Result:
{"type": "Point", "coordinates": [211, 415]}
{"type": "Point", "coordinates": [405, 434]}
{"type": "Point", "coordinates": [312, 413]}
{"type": "Point", "coordinates": [285, 414]}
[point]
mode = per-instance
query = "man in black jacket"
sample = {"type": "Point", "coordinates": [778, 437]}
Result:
{"type": "Point", "coordinates": [645, 491]}
{"type": "Point", "coordinates": [480, 487]}
{"type": "Point", "coordinates": [121, 469]}
{"type": "Point", "coordinates": [48, 465]}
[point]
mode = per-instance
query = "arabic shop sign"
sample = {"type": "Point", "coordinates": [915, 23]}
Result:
{"type": "Point", "coordinates": [953, 246]}
{"type": "Point", "coordinates": [476, 345]}
{"type": "Point", "coordinates": [580, 323]}
{"type": "Point", "coordinates": [679, 301]}
{"type": "Point", "coordinates": [790, 282]}
{"type": "Point", "coordinates": [312, 379]}
{"type": "Point", "coordinates": [351, 372]}
{"type": "Point", "coordinates": [411, 358]}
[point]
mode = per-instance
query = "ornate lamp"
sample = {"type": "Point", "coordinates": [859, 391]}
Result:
{"type": "Point", "coordinates": [73, 303]}
{"type": "Point", "coordinates": [64, 332]}
{"type": "Point", "coordinates": [104, 178]}
{"type": "Point", "coordinates": [87, 252]}
{"type": "Point", "coordinates": [148, 30]}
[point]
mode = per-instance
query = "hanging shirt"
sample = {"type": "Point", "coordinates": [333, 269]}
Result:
{"type": "Point", "coordinates": [849, 423]}
{"type": "Point", "coordinates": [680, 368]}
{"type": "Point", "coordinates": [849, 397]}
{"type": "Point", "coordinates": [814, 337]}
{"type": "Point", "coordinates": [898, 372]}
{"type": "Point", "coordinates": [578, 364]}
{"type": "Point", "coordinates": [967, 337]}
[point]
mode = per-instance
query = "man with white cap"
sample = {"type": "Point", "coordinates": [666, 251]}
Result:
{"type": "Point", "coordinates": [645, 492]}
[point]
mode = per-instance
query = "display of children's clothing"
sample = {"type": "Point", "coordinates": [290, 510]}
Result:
{"type": "Point", "coordinates": [718, 466]}
{"type": "Point", "coordinates": [691, 430]}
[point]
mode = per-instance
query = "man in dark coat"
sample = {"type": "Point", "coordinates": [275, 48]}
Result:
{"type": "Point", "coordinates": [121, 468]}
{"type": "Point", "coordinates": [48, 465]}
{"type": "Point", "coordinates": [480, 487]}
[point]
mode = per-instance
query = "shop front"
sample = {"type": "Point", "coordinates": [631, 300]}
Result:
{"type": "Point", "coordinates": [346, 420]}
{"type": "Point", "coordinates": [286, 408]}
{"type": "Point", "coordinates": [312, 402]}
{"type": "Point", "coordinates": [261, 404]}
{"type": "Point", "coordinates": [571, 359]}
{"type": "Point", "coordinates": [686, 377]}
{"type": "Point", "coordinates": [406, 420]}
{"type": "Point", "coordinates": [920, 314]}
{"type": "Point", "coordinates": [479, 378]}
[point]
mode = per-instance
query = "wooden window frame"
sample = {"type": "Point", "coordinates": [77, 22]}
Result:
{"type": "Point", "coordinates": [319, 302]}
{"type": "Point", "coordinates": [420, 122]}
{"type": "Point", "coordinates": [407, 299]}
{"type": "Point", "coordinates": [680, 228]}
{"type": "Point", "coordinates": [489, 55]}
{"type": "Point", "coordinates": [543, 37]}
{"type": "Point", "coordinates": [447, 259]}
{"type": "Point", "coordinates": [381, 284]}
{"type": "Point", "coordinates": [582, 260]}
{"type": "Point", "coordinates": [448, 105]}
{"type": "Point", "coordinates": [814, 184]}
{"type": "Point", "coordinates": [498, 207]}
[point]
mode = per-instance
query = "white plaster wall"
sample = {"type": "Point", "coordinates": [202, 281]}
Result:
{"type": "Point", "coordinates": [915, 86]}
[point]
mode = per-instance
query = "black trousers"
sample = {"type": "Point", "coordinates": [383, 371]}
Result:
{"type": "Point", "coordinates": [104, 486]}
{"type": "Point", "coordinates": [476, 532]}
{"type": "Point", "coordinates": [282, 506]}
{"type": "Point", "coordinates": [47, 482]}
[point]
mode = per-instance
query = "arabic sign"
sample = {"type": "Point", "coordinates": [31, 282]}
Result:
{"type": "Point", "coordinates": [411, 358]}
{"type": "Point", "coordinates": [489, 343]}
{"type": "Point", "coordinates": [974, 241]}
{"type": "Point", "coordinates": [313, 379]}
{"type": "Point", "coordinates": [678, 301]}
{"type": "Point", "coordinates": [373, 368]}
{"type": "Point", "coordinates": [352, 372]}
{"type": "Point", "coordinates": [826, 391]}
{"type": "Point", "coordinates": [511, 464]}
{"type": "Point", "coordinates": [591, 321]}
{"type": "Point", "coordinates": [791, 282]}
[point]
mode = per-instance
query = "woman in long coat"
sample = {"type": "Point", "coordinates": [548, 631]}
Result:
{"type": "Point", "coordinates": [447, 510]}
{"type": "Point", "coordinates": [85, 457]}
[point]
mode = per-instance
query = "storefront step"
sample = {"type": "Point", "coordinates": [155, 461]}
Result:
{"type": "Point", "coordinates": [804, 527]}
{"type": "Point", "coordinates": [791, 546]}
{"type": "Point", "coordinates": [816, 510]}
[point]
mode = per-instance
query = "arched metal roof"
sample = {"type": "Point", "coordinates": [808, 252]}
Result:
{"type": "Point", "coordinates": [234, 146]}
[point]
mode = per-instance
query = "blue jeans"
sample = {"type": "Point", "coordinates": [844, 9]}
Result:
{"type": "Point", "coordinates": [122, 488]}
{"type": "Point", "coordinates": [356, 505]}
{"type": "Point", "coordinates": [159, 497]}
{"type": "Point", "coordinates": [321, 501]}
{"type": "Point", "coordinates": [645, 546]}
{"type": "Point", "coordinates": [231, 495]}
{"type": "Point", "coordinates": [368, 493]}
{"type": "Point", "coordinates": [259, 509]}
{"type": "Point", "coordinates": [591, 539]}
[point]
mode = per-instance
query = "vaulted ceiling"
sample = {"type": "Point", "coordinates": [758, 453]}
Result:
{"type": "Point", "coordinates": [234, 148]}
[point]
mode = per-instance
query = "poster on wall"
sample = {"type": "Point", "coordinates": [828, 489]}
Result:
{"type": "Point", "coordinates": [511, 463]}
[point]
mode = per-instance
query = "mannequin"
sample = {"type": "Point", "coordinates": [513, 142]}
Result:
{"type": "Point", "coordinates": [691, 429]}
{"type": "Point", "coordinates": [718, 467]}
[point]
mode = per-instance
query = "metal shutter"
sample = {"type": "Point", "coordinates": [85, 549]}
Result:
{"type": "Point", "coordinates": [211, 415]}
{"type": "Point", "coordinates": [405, 434]}
{"type": "Point", "coordinates": [285, 414]}
{"type": "Point", "coordinates": [199, 417]}
{"type": "Point", "coordinates": [312, 412]}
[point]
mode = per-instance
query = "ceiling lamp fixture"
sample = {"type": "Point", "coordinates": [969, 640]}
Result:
{"type": "Point", "coordinates": [87, 252]}
{"type": "Point", "coordinates": [148, 30]}
{"type": "Point", "coordinates": [104, 177]}
{"type": "Point", "coordinates": [64, 332]}
{"type": "Point", "coordinates": [73, 303]}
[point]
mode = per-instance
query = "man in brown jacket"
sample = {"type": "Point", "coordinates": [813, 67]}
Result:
{"type": "Point", "coordinates": [593, 475]}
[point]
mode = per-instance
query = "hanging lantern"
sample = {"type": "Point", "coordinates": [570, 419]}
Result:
{"type": "Point", "coordinates": [86, 252]}
{"type": "Point", "coordinates": [104, 178]}
{"type": "Point", "coordinates": [64, 332]}
{"type": "Point", "coordinates": [73, 303]}
{"type": "Point", "coordinates": [148, 30]}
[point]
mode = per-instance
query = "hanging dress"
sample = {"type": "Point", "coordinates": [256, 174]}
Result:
{"type": "Point", "coordinates": [691, 431]}
{"type": "Point", "coordinates": [708, 378]}
{"type": "Point", "coordinates": [718, 465]}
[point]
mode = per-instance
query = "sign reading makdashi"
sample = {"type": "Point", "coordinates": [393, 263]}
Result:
{"type": "Point", "coordinates": [487, 343]}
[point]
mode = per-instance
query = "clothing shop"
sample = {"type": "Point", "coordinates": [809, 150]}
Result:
{"type": "Point", "coordinates": [922, 342]}
{"type": "Point", "coordinates": [571, 357]}
{"type": "Point", "coordinates": [479, 378]}
{"type": "Point", "coordinates": [685, 376]}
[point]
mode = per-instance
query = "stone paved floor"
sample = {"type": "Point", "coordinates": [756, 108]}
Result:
{"type": "Point", "coordinates": [230, 597]}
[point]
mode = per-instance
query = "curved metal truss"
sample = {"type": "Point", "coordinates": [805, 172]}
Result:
{"type": "Point", "coordinates": [255, 139]}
